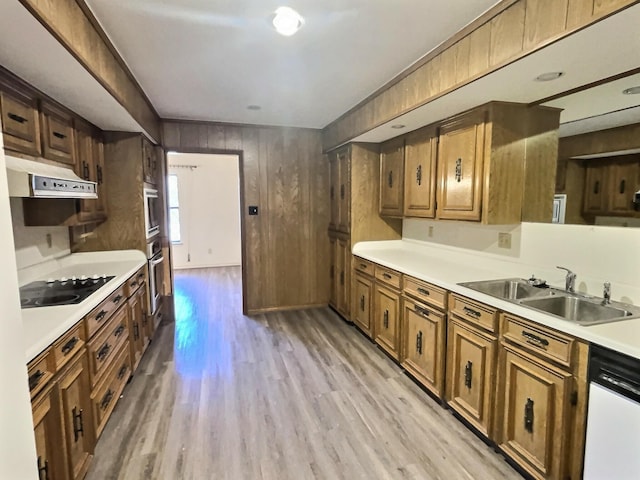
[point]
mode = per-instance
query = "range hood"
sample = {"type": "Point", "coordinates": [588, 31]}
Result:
{"type": "Point", "coordinates": [28, 178]}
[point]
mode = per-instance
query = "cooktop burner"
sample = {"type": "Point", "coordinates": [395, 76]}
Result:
{"type": "Point", "coordinates": [66, 291]}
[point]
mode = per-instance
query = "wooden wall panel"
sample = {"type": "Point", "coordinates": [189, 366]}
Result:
{"type": "Point", "coordinates": [504, 34]}
{"type": "Point", "coordinates": [285, 175]}
{"type": "Point", "coordinates": [602, 141]}
{"type": "Point", "coordinates": [71, 22]}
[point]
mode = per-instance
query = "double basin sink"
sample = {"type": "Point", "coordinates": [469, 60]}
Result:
{"type": "Point", "coordinates": [573, 307]}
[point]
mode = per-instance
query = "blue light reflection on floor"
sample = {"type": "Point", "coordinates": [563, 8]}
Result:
{"type": "Point", "coordinates": [200, 346]}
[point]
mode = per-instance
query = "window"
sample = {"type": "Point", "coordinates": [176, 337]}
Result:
{"type": "Point", "coordinates": [174, 209]}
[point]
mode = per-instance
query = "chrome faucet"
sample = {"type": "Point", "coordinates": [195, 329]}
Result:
{"type": "Point", "coordinates": [606, 300]}
{"type": "Point", "coordinates": [569, 281]}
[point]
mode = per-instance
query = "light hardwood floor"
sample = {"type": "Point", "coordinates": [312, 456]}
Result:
{"type": "Point", "coordinates": [292, 395]}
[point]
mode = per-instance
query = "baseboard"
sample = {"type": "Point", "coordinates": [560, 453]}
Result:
{"type": "Point", "coordinates": [257, 311]}
{"type": "Point", "coordinates": [193, 267]}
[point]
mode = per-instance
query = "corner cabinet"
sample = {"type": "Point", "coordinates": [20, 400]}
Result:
{"type": "Point", "coordinates": [392, 178]}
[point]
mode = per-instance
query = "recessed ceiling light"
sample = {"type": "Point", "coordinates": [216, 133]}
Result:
{"type": "Point", "coordinates": [398, 126]}
{"type": "Point", "coordinates": [287, 21]}
{"type": "Point", "coordinates": [632, 91]}
{"type": "Point", "coordinates": [254, 107]}
{"type": "Point", "coordinates": [547, 77]}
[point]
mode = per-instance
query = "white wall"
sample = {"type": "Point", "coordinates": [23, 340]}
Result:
{"type": "Point", "coordinates": [596, 253]}
{"type": "Point", "coordinates": [17, 442]}
{"type": "Point", "coordinates": [209, 210]}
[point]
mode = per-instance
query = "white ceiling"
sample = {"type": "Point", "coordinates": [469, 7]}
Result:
{"type": "Point", "coordinates": [209, 60]}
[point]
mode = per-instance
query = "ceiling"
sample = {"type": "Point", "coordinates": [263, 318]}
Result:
{"type": "Point", "coordinates": [209, 60]}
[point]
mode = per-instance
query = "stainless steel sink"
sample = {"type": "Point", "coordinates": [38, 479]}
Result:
{"type": "Point", "coordinates": [509, 289]}
{"type": "Point", "coordinates": [581, 310]}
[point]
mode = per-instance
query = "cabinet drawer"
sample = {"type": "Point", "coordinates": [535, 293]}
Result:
{"type": "Point", "coordinates": [105, 396]}
{"type": "Point", "coordinates": [364, 266]}
{"type": "Point", "coordinates": [20, 123]}
{"type": "Point", "coordinates": [388, 276]}
{"type": "Point", "coordinates": [103, 312]}
{"type": "Point", "coordinates": [135, 281]}
{"type": "Point", "coordinates": [57, 135]}
{"type": "Point", "coordinates": [67, 346]}
{"type": "Point", "coordinates": [41, 369]}
{"type": "Point", "coordinates": [425, 292]}
{"type": "Point", "coordinates": [473, 312]}
{"type": "Point", "coordinates": [103, 347]}
{"type": "Point", "coordinates": [542, 341]}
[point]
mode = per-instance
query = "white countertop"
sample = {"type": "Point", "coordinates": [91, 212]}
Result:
{"type": "Point", "coordinates": [447, 266]}
{"type": "Point", "coordinates": [43, 325]}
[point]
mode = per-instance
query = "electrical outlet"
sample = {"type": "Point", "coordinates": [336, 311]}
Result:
{"type": "Point", "coordinates": [430, 231]}
{"type": "Point", "coordinates": [210, 251]}
{"type": "Point", "coordinates": [504, 240]}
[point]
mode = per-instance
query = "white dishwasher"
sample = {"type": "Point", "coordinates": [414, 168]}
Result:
{"type": "Point", "coordinates": [612, 449]}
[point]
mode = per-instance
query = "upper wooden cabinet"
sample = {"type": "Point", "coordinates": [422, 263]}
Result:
{"type": "Point", "coordinates": [58, 134]}
{"type": "Point", "coordinates": [610, 185]}
{"type": "Point", "coordinates": [392, 178]}
{"type": "Point", "coordinates": [90, 166]}
{"type": "Point", "coordinates": [461, 158]}
{"type": "Point", "coordinates": [150, 162]}
{"type": "Point", "coordinates": [340, 190]}
{"type": "Point", "coordinates": [20, 119]}
{"type": "Point", "coordinates": [420, 151]}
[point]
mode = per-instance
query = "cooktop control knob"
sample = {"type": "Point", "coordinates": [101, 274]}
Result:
{"type": "Point", "coordinates": [51, 280]}
{"type": "Point", "coordinates": [63, 279]}
{"type": "Point", "coordinates": [94, 277]}
{"type": "Point", "coordinates": [83, 277]}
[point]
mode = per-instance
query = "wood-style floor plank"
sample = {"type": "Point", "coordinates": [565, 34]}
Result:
{"type": "Point", "coordinates": [285, 395]}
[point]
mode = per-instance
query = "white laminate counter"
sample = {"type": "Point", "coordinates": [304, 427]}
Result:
{"type": "Point", "coordinates": [446, 267]}
{"type": "Point", "coordinates": [43, 325]}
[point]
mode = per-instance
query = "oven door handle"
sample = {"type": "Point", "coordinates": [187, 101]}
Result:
{"type": "Point", "coordinates": [157, 261]}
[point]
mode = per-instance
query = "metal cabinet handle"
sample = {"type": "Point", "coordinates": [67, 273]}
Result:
{"type": "Point", "coordinates": [362, 303]}
{"type": "Point", "coordinates": [43, 469]}
{"type": "Point", "coordinates": [342, 278]}
{"type": "Point", "coordinates": [468, 374]}
{"type": "Point", "coordinates": [101, 315]}
{"type": "Point", "coordinates": [16, 118]}
{"type": "Point", "coordinates": [342, 192]}
{"type": "Point", "coordinates": [78, 424]}
{"type": "Point", "coordinates": [419, 343]}
{"type": "Point", "coordinates": [387, 276]}
{"type": "Point", "coordinates": [363, 266]}
{"type": "Point", "coordinates": [103, 352]}
{"type": "Point", "coordinates": [123, 370]}
{"type": "Point", "coordinates": [59, 135]}
{"type": "Point", "coordinates": [596, 187]}
{"type": "Point", "coordinates": [390, 179]}
{"type": "Point", "coordinates": [85, 170]}
{"type": "Point", "coordinates": [99, 174]}
{"type": "Point", "coordinates": [472, 313]}
{"type": "Point", "coordinates": [385, 319]}
{"type": "Point", "coordinates": [117, 299]}
{"type": "Point", "coordinates": [421, 311]}
{"type": "Point", "coordinates": [134, 283]}
{"type": "Point", "coordinates": [118, 331]}
{"type": "Point", "coordinates": [459, 170]}
{"type": "Point", "coordinates": [535, 340]}
{"type": "Point", "coordinates": [106, 400]}
{"type": "Point", "coordinates": [136, 331]}
{"type": "Point", "coordinates": [528, 416]}
{"type": "Point", "coordinates": [623, 185]}
{"type": "Point", "coordinates": [423, 291]}
{"type": "Point", "coordinates": [34, 379]}
{"type": "Point", "coordinates": [419, 175]}
{"type": "Point", "coordinates": [68, 347]}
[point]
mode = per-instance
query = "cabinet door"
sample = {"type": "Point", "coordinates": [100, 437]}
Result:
{"type": "Point", "coordinates": [57, 135]}
{"type": "Point", "coordinates": [20, 122]}
{"type": "Point", "coordinates": [387, 320]}
{"type": "Point", "coordinates": [470, 374]}
{"type": "Point", "coordinates": [98, 158]}
{"type": "Point", "coordinates": [148, 161]}
{"type": "Point", "coordinates": [76, 411]}
{"type": "Point", "coordinates": [392, 178]}
{"type": "Point", "coordinates": [344, 211]}
{"type": "Point", "coordinates": [333, 272]}
{"type": "Point", "coordinates": [595, 198]}
{"type": "Point", "coordinates": [623, 183]}
{"type": "Point", "coordinates": [421, 149]}
{"type": "Point", "coordinates": [334, 190]}
{"type": "Point", "coordinates": [423, 333]}
{"type": "Point", "coordinates": [47, 427]}
{"type": "Point", "coordinates": [136, 330]}
{"type": "Point", "coordinates": [535, 427]}
{"type": "Point", "coordinates": [85, 168]}
{"type": "Point", "coordinates": [460, 160]}
{"type": "Point", "coordinates": [361, 307]}
{"type": "Point", "coordinates": [343, 266]}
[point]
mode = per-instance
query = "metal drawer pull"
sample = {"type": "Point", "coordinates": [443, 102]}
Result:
{"type": "Point", "coordinates": [103, 352]}
{"type": "Point", "coordinates": [34, 379]}
{"type": "Point", "coordinates": [363, 266]}
{"type": "Point", "coordinates": [458, 170]}
{"type": "Point", "coordinates": [134, 283]}
{"type": "Point", "coordinates": [16, 118]}
{"type": "Point", "coordinates": [122, 371]}
{"type": "Point", "coordinates": [421, 311]}
{"type": "Point", "coordinates": [387, 276]}
{"type": "Point", "coordinates": [68, 347]}
{"type": "Point", "coordinates": [43, 470]}
{"type": "Point", "coordinates": [117, 299]}
{"type": "Point", "coordinates": [101, 315]}
{"type": "Point", "coordinates": [59, 135]}
{"type": "Point", "coordinates": [385, 320]}
{"type": "Point", "coordinates": [118, 331]}
{"type": "Point", "coordinates": [362, 303]}
{"type": "Point", "coordinates": [528, 416]}
{"type": "Point", "coordinates": [390, 179]}
{"type": "Point", "coordinates": [468, 374]}
{"type": "Point", "coordinates": [419, 342]}
{"type": "Point", "coordinates": [419, 175]}
{"type": "Point", "coordinates": [106, 400]}
{"type": "Point", "coordinates": [471, 312]}
{"type": "Point", "coordinates": [535, 340]}
{"type": "Point", "coordinates": [423, 291]}
{"type": "Point", "coordinates": [78, 424]}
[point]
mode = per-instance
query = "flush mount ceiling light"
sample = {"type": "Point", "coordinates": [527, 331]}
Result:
{"type": "Point", "coordinates": [547, 77]}
{"type": "Point", "coordinates": [254, 107]}
{"type": "Point", "coordinates": [287, 21]}
{"type": "Point", "coordinates": [398, 126]}
{"type": "Point", "coordinates": [632, 91]}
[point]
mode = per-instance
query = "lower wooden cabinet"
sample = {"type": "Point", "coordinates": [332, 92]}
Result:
{"type": "Point", "coordinates": [340, 274]}
{"type": "Point", "coordinates": [50, 446]}
{"type": "Point", "coordinates": [76, 414]}
{"type": "Point", "coordinates": [138, 325]}
{"type": "Point", "coordinates": [535, 422]}
{"type": "Point", "coordinates": [361, 308]}
{"type": "Point", "coordinates": [423, 344]}
{"type": "Point", "coordinates": [471, 357]}
{"type": "Point", "coordinates": [387, 319]}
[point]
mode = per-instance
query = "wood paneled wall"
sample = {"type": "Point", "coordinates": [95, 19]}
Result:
{"type": "Point", "coordinates": [73, 25]}
{"type": "Point", "coordinates": [601, 142]}
{"type": "Point", "coordinates": [506, 33]}
{"type": "Point", "coordinates": [284, 173]}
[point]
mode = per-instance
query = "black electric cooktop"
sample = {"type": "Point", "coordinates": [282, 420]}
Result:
{"type": "Point", "coordinates": [60, 292]}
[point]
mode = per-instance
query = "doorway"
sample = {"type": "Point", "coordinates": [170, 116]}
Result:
{"type": "Point", "coordinates": [204, 210]}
